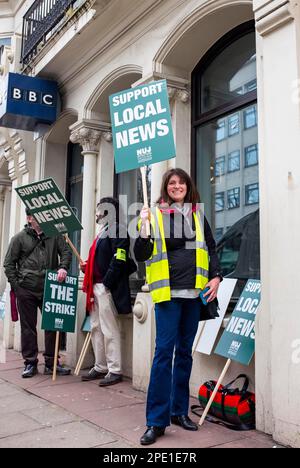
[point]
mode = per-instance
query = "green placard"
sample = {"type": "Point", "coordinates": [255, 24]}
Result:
{"type": "Point", "coordinates": [49, 207]}
{"type": "Point", "coordinates": [141, 126]}
{"type": "Point", "coordinates": [238, 340]}
{"type": "Point", "coordinates": [60, 303]}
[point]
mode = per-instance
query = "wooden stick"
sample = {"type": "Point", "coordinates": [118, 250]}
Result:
{"type": "Point", "coordinates": [145, 196]}
{"type": "Point", "coordinates": [198, 338]}
{"type": "Point", "coordinates": [214, 392]}
{"type": "Point", "coordinates": [83, 353]}
{"type": "Point", "coordinates": [68, 240]}
{"type": "Point", "coordinates": [55, 356]}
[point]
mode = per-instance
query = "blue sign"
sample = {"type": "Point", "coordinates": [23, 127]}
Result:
{"type": "Point", "coordinates": [26, 101]}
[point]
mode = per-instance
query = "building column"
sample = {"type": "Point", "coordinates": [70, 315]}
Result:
{"type": "Point", "coordinates": [87, 133]}
{"type": "Point", "coordinates": [179, 95]}
{"type": "Point", "coordinates": [9, 327]}
{"type": "Point", "coordinates": [278, 320]}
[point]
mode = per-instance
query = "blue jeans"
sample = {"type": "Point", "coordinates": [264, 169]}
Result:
{"type": "Point", "coordinates": [176, 327]}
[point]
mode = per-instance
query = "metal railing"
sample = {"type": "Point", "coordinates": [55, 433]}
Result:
{"type": "Point", "coordinates": [42, 19]}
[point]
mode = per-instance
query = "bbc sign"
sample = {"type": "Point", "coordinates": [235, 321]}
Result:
{"type": "Point", "coordinates": [26, 101]}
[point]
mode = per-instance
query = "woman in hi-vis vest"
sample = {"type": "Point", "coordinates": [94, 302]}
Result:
{"type": "Point", "coordinates": [181, 261]}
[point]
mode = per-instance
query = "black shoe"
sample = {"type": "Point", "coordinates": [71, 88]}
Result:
{"type": "Point", "coordinates": [59, 370]}
{"type": "Point", "coordinates": [93, 375]}
{"type": "Point", "coordinates": [110, 379]}
{"type": "Point", "coordinates": [29, 371]}
{"type": "Point", "coordinates": [151, 434]}
{"type": "Point", "coordinates": [185, 422]}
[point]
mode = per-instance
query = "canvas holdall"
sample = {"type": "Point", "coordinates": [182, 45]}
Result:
{"type": "Point", "coordinates": [234, 407]}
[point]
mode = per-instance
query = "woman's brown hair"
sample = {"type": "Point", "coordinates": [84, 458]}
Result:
{"type": "Point", "coordinates": [192, 195]}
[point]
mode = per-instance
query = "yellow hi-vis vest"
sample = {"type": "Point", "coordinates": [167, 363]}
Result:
{"type": "Point", "coordinates": [157, 267]}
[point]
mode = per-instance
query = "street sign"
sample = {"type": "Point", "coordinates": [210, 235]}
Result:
{"type": "Point", "coordinates": [60, 303]}
{"type": "Point", "coordinates": [238, 340]}
{"type": "Point", "coordinates": [141, 126]}
{"type": "Point", "coordinates": [49, 207]}
{"type": "Point", "coordinates": [27, 101]}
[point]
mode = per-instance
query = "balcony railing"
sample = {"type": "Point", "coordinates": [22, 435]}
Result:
{"type": "Point", "coordinates": [39, 23]}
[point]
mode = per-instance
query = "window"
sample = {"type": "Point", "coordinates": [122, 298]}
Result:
{"type": "Point", "coordinates": [233, 198]}
{"type": "Point", "coordinates": [251, 86]}
{"type": "Point", "coordinates": [252, 194]}
{"type": "Point", "coordinates": [74, 194]}
{"type": "Point", "coordinates": [251, 155]}
{"type": "Point", "coordinates": [234, 161]}
{"type": "Point", "coordinates": [218, 234]}
{"type": "Point", "coordinates": [221, 130]}
{"type": "Point", "coordinates": [224, 123]}
{"type": "Point", "coordinates": [250, 117]}
{"type": "Point", "coordinates": [220, 166]}
{"type": "Point", "coordinates": [233, 124]}
{"type": "Point", "coordinates": [220, 201]}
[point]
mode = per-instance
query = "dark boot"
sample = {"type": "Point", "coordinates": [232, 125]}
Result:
{"type": "Point", "coordinates": [59, 370]}
{"type": "Point", "coordinates": [185, 422]}
{"type": "Point", "coordinates": [151, 434]}
{"type": "Point", "coordinates": [110, 379]}
{"type": "Point", "coordinates": [93, 375]}
{"type": "Point", "coordinates": [29, 371]}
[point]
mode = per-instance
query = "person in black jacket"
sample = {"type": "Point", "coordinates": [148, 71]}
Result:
{"type": "Point", "coordinates": [181, 261]}
{"type": "Point", "coordinates": [29, 255]}
{"type": "Point", "coordinates": [106, 284]}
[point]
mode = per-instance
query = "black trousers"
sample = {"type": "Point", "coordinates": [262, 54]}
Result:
{"type": "Point", "coordinates": [28, 304]}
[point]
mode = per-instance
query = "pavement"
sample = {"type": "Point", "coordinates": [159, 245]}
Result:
{"type": "Point", "coordinates": [68, 413]}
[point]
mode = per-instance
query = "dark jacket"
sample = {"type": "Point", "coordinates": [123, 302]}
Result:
{"type": "Point", "coordinates": [182, 261]}
{"type": "Point", "coordinates": [26, 269]}
{"type": "Point", "coordinates": [115, 273]}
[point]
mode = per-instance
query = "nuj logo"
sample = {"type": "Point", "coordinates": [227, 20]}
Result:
{"type": "Point", "coordinates": [144, 154]}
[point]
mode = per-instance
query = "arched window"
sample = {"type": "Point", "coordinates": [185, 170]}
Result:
{"type": "Point", "coordinates": [225, 153]}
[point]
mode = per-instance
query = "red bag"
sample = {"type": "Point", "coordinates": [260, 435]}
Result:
{"type": "Point", "coordinates": [14, 306]}
{"type": "Point", "coordinates": [231, 405]}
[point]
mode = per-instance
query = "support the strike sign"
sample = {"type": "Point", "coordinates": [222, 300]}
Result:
{"type": "Point", "coordinates": [141, 126]}
{"type": "Point", "coordinates": [238, 340]}
{"type": "Point", "coordinates": [49, 207]}
{"type": "Point", "coordinates": [59, 306]}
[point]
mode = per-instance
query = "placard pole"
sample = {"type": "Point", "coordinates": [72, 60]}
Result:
{"type": "Point", "coordinates": [83, 353]}
{"type": "Point", "coordinates": [68, 240]}
{"type": "Point", "coordinates": [145, 195]}
{"type": "Point", "coordinates": [215, 392]}
{"type": "Point", "coordinates": [55, 356]}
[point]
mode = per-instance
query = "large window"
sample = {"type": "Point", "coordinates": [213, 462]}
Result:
{"type": "Point", "coordinates": [224, 115]}
{"type": "Point", "coordinates": [74, 194]}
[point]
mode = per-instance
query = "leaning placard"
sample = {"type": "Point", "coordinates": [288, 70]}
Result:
{"type": "Point", "coordinates": [238, 340]}
{"type": "Point", "coordinates": [60, 303]}
{"type": "Point", "coordinates": [141, 126]}
{"type": "Point", "coordinates": [49, 207]}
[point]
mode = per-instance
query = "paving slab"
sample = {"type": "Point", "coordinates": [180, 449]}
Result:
{"type": "Point", "coordinates": [79, 398]}
{"type": "Point", "coordinates": [8, 390]}
{"type": "Point", "coordinates": [19, 402]}
{"type": "Point", "coordinates": [51, 415]}
{"type": "Point", "coordinates": [71, 435]}
{"type": "Point", "coordinates": [247, 444]}
{"type": "Point", "coordinates": [16, 423]}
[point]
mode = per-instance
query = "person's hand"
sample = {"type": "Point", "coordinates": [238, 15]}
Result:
{"type": "Point", "coordinates": [61, 275]}
{"type": "Point", "coordinates": [213, 286]}
{"type": "Point", "coordinates": [145, 215]}
{"type": "Point", "coordinates": [83, 266]}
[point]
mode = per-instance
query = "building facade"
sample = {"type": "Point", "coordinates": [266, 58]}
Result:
{"type": "Point", "coordinates": [233, 74]}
